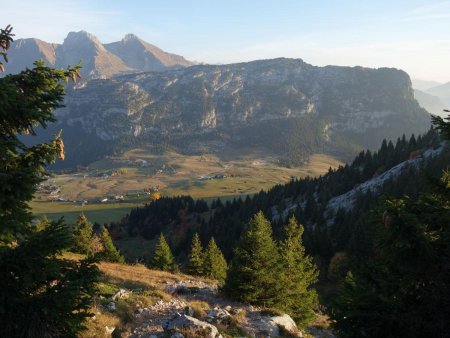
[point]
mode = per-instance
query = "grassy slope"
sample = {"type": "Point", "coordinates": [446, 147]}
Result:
{"type": "Point", "coordinates": [131, 277]}
{"type": "Point", "coordinates": [149, 288]}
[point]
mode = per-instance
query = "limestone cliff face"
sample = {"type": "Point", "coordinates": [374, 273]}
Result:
{"type": "Point", "coordinates": [201, 99]}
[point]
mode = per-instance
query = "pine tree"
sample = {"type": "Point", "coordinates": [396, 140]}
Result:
{"type": "Point", "coordinates": [254, 272]}
{"type": "Point", "coordinates": [299, 273]}
{"type": "Point", "coordinates": [110, 253]}
{"type": "Point", "coordinates": [403, 289]}
{"type": "Point", "coordinates": [195, 264]}
{"type": "Point", "coordinates": [41, 294]}
{"type": "Point", "coordinates": [163, 258]}
{"type": "Point", "coordinates": [214, 264]}
{"type": "Point", "coordinates": [83, 234]}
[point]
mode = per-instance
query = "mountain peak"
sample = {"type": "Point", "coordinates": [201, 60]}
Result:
{"type": "Point", "coordinates": [81, 37]}
{"type": "Point", "coordinates": [130, 37]}
{"type": "Point", "coordinates": [139, 54]}
{"type": "Point", "coordinates": [131, 54]}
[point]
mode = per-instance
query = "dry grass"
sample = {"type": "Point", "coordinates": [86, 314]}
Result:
{"type": "Point", "coordinates": [96, 326]}
{"type": "Point", "coordinates": [195, 332]}
{"type": "Point", "coordinates": [239, 318]}
{"type": "Point", "coordinates": [140, 276]}
{"type": "Point", "coordinates": [322, 321]}
{"type": "Point", "coordinates": [199, 308]}
{"type": "Point", "coordinates": [147, 286]}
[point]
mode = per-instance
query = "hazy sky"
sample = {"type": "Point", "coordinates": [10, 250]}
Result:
{"type": "Point", "coordinates": [409, 34]}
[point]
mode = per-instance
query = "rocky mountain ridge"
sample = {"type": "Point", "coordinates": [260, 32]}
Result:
{"type": "Point", "coordinates": [278, 104]}
{"type": "Point", "coordinates": [98, 60]}
{"type": "Point", "coordinates": [433, 104]}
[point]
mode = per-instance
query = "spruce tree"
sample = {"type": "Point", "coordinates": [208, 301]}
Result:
{"type": "Point", "coordinates": [163, 258]}
{"type": "Point", "coordinates": [403, 289]}
{"type": "Point", "coordinates": [109, 253]}
{"type": "Point", "coordinates": [254, 274]}
{"type": "Point", "coordinates": [41, 294]}
{"type": "Point", "coordinates": [214, 264]}
{"type": "Point", "coordinates": [298, 298]}
{"type": "Point", "coordinates": [195, 264]}
{"type": "Point", "coordinates": [83, 234]}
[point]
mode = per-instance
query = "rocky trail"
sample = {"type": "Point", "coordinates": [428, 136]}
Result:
{"type": "Point", "coordinates": [196, 309]}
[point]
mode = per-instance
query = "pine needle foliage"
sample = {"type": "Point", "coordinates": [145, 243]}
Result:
{"type": "Point", "coordinates": [403, 289]}
{"type": "Point", "coordinates": [110, 252]}
{"type": "Point", "coordinates": [83, 234]}
{"type": "Point", "coordinates": [299, 273]}
{"type": "Point", "coordinates": [254, 272]}
{"type": "Point", "coordinates": [195, 264]}
{"type": "Point", "coordinates": [41, 294]}
{"type": "Point", "coordinates": [163, 258]}
{"type": "Point", "coordinates": [214, 264]}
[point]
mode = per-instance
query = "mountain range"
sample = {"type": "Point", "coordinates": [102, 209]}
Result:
{"type": "Point", "coordinates": [98, 60]}
{"type": "Point", "coordinates": [442, 92]}
{"type": "Point", "coordinates": [134, 94]}
{"type": "Point", "coordinates": [433, 96]}
{"type": "Point", "coordinates": [284, 106]}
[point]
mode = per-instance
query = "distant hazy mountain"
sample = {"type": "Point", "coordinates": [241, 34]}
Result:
{"type": "Point", "coordinates": [24, 52]}
{"type": "Point", "coordinates": [138, 54]}
{"type": "Point", "coordinates": [424, 84]}
{"type": "Point", "coordinates": [95, 59]}
{"type": "Point", "coordinates": [442, 92]}
{"type": "Point", "coordinates": [286, 106]}
{"type": "Point", "coordinates": [432, 104]}
{"type": "Point", "coordinates": [131, 54]}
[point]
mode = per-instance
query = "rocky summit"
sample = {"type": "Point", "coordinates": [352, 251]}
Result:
{"type": "Point", "coordinates": [98, 60]}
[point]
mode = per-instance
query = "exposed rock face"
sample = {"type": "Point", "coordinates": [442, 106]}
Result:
{"type": "Point", "coordinates": [251, 103]}
{"type": "Point", "coordinates": [287, 323]}
{"type": "Point", "coordinates": [346, 201]}
{"type": "Point", "coordinates": [129, 55]}
{"type": "Point", "coordinates": [218, 316]}
{"type": "Point", "coordinates": [181, 322]}
{"type": "Point", "coordinates": [95, 59]}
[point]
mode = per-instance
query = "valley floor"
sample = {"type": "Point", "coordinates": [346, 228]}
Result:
{"type": "Point", "coordinates": [108, 189]}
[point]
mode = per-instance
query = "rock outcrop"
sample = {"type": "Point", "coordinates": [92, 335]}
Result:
{"type": "Point", "coordinates": [185, 322]}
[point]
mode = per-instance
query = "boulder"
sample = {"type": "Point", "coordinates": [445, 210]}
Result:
{"type": "Point", "coordinates": [218, 316]}
{"type": "Point", "coordinates": [111, 306]}
{"type": "Point", "coordinates": [121, 294]}
{"type": "Point", "coordinates": [177, 335]}
{"type": "Point", "coordinates": [177, 289]}
{"type": "Point", "coordinates": [109, 329]}
{"type": "Point", "coordinates": [275, 326]}
{"type": "Point", "coordinates": [287, 324]}
{"type": "Point", "coordinates": [183, 322]}
{"type": "Point", "coordinates": [266, 327]}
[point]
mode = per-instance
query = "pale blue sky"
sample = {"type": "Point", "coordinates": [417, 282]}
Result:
{"type": "Point", "coordinates": [413, 35]}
